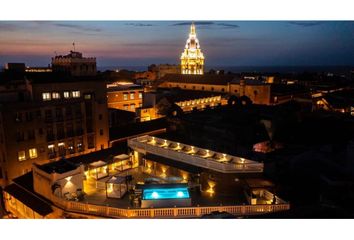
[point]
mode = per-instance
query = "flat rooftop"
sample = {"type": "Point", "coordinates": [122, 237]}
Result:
{"type": "Point", "coordinates": [58, 167]}
{"type": "Point", "coordinates": [200, 157]}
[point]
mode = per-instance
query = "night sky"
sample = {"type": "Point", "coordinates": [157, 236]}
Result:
{"type": "Point", "coordinates": [239, 43]}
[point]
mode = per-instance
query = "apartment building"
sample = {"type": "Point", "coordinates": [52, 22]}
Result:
{"type": "Point", "coordinates": [49, 116]}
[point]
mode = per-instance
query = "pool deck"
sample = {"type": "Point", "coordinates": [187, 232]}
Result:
{"type": "Point", "coordinates": [98, 196]}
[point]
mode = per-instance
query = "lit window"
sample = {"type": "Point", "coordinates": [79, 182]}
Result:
{"type": "Point", "coordinates": [132, 106]}
{"type": "Point", "coordinates": [87, 96]}
{"type": "Point", "coordinates": [76, 94]}
{"type": "Point", "coordinates": [33, 153]}
{"type": "Point", "coordinates": [132, 95]}
{"type": "Point", "coordinates": [21, 155]}
{"type": "Point", "coordinates": [125, 107]}
{"type": "Point", "coordinates": [55, 95]}
{"type": "Point", "coordinates": [61, 144]}
{"type": "Point", "coordinates": [51, 146]}
{"type": "Point", "coordinates": [66, 94]}
{"type": "Point", "coordinates": [140, 95]}
{"type": "Point", "coordinates": [125, 96]}
{"type": "Point", "coordinates": [46, 96]}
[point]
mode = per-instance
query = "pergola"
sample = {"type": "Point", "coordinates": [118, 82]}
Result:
{"type": "Point", "coordinates": [123, 160]}
{"type": "Point", "coordinates": [99, 169]}
{"type": "Point", "coordinates": [116, 187]}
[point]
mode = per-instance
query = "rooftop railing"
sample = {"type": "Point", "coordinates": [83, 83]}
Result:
{"type": "Point", "coordinates": [195, 156]}
{"type": "Point", "coordinates": [172, 212]}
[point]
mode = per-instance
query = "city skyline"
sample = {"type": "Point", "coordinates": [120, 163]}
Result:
{"type": "Point", "coordinates": [225, 43]}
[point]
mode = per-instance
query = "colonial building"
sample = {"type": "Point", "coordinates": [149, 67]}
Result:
{"type": "Point", "coordinates": [48, 116]}
{"type": "Point", "coordinates": [75, 64]}
{"type": "Point", "coordinates": [126, 96]}
{"type": "Point", "coordinates": [258, 91]}
{"type": "Point", "coordinates": [163, 69]}
{"type": "Point", "coordinates": [164, 101]}
{"type": "Point", "coordinates": [192, 58]}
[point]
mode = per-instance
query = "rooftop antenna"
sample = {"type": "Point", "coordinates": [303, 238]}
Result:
{"type": "Point", "coordinates": [74, 46]}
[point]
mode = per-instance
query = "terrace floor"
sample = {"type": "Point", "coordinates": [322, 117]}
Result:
{"type": "Point", "coordinates": [98, 196]}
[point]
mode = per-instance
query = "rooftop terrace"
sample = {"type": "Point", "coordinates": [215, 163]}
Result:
{"type": "Point", "coordinates": [195, 156]}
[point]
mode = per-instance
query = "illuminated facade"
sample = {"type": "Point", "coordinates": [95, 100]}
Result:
{"type": "Point", "coordinates": [52, 119]}
{"type": "Point", "coordinates": [192, 58]}
{"type": "Point", "coordinates": [126, 97]}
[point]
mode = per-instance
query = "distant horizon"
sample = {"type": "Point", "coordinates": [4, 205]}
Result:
{"type": "Point", "coordinates": [139, 43]}
{"type": "Point", "coordinates": [236, 68]}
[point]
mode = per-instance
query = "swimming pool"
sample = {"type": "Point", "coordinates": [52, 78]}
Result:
{"type": "Point", "coordinates": [165, 193]}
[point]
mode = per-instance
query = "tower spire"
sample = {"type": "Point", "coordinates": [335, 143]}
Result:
{"type": "Point", "coordinates": [193, 29]}
{"type": "Point", "coordinates": [192, 58]}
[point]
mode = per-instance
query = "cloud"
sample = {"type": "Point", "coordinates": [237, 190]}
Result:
{"type": "Point", "coordinates": [207, 24]}
{"type": "Point", "coordinates": [306, 23]}
{"type": "Point", "coordinates": [139, 24]}
{"type": "Point", "coordinates": [77, 27]}
{"type": "Point", "coordinates": [228, 25]}
{"type": "Point", "coordinates": [203, 23]}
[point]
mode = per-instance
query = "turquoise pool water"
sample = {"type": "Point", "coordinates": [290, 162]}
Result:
{"type": "Point", "coordinates": [165, 193]}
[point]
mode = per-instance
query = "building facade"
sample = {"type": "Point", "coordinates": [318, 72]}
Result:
{"type": "Point", "coordinates": [51, 118]}
{"type": "Point", "coordinates": [192, 58]}
{"type": "Point", "coordinates": [75, 64]}
{"type": "Point", "coordinates": [125, 97]}
{"type": "Point", "coordinates": [258, 91]}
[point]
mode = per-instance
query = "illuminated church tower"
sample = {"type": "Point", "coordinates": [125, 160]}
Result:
{"type": "Point", "coordinates": [192, 59]}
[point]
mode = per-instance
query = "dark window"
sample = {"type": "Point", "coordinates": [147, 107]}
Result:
{"type": "Point", "coordinates": [48, 115]}
{"type": "Point", "coordinates": [50, 133]}
{"type": "Point", "coordinates": [69, 129]}
{"type": "Point", "coordinates": [39, 114]}
{"type": "Point", "coordinates": [89, 125]}
{"type": "Point", "coordinates": [18, 117]}
{"type": "Point", "coordinates": [20, 136]}
{"type": "Point", "coordinates": [101, 132]}
{"type": "Point", "coordinates": [90, 142]}
{"type": "Point", "coordinates": [60, 131]}
{"type": "Point", "coordinates": [59, 114]}
{"type": "Point", "coordinates": [40, 131]}
{"type": "Point", "coordinates": [31, 134]}
{"type": "Point", "coordinates": [68, 112]}
{"type": "Point", "coordinates": [29, 116]}
{"type": "Point", "coordinates": [78, 112]}
{"type": "Point", "coordinates": [79, 130]}
{"type": "Point", "coordinates": [100, 117]}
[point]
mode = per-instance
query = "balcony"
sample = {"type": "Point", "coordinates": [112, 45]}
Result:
{"type": "Point", "coordinates": [195, 156]}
